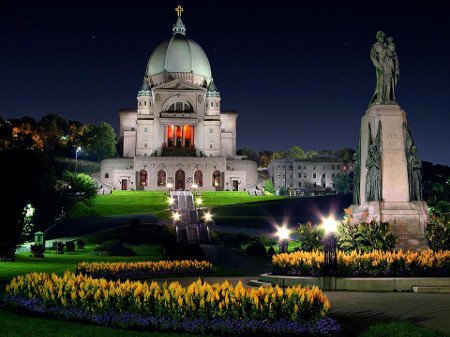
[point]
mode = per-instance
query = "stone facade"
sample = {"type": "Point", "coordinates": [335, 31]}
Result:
{"type": "Point", "coordinates": [178, 134]}
{"type": "Point", "coordinates": [306, 174]}
{"type": "Point", "coordinates": [407, 218]}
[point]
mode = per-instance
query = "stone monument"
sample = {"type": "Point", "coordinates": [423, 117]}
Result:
{"type": "Point", "coordinates": [389, 181]}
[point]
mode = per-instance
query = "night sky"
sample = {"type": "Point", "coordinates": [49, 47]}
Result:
{"type": "Point", "coordinates": [297, 73]}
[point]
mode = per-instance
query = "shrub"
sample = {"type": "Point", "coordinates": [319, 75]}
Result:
{"type": "Point", "coordinates": [112, 248]}
{"type": "Point", "coordinates": [81, 244]}
{"type": "Point", "coordinates": [364, 236]}
{"type": "Point", "coordinates": [271, 251]}
{"type": "Point", "coordinates": [269, 187]}
{"type": "Point", "coordinates": [256, 248]}
{"type": "Point", "coordinates": [438, 232]}
{"type": "Point", "coordinates": [58, 246]}
{"type": "Point", "coordinates": [70, 246]}
{"type": "Point", "coordinates": [232, 240]}
{"type": "Point", "coordinates": [197, 300]}
{"type": "Point", "coordinates": [189, 251]}
{"type": "Point", "coordinates": [37, 250]}
{"type": "Point", "coordinates": [7, 251]}
{"type": "Point", "coordinates": [310, 237]}
{"type": "Point", "coordinates": [372, 264]}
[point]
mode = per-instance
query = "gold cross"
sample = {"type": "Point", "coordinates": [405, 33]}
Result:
{"type": "Point", "coordinates": [179, 10]}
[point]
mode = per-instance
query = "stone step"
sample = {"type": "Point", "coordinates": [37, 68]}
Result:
{"type": "Point", "coordinates": [256, 283]}
{"type": "Point", "coordinates": [431, 290]}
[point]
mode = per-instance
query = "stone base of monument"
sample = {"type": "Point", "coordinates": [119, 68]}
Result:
{"type": "Point", "coordinates": [407, 219]}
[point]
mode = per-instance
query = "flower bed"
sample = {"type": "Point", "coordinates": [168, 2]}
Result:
{"type": "Point", "coordinates": [199, 307]}
{"type": "Point", "coordinates": [373, 264]}
{"type": "Point", "coordinates": [143, 269]}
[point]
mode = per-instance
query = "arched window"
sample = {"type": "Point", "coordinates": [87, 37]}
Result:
{"type": "Point", "coordinates": [180, 180]}
{"type": "Point", "coordinates": [106, 175]}
{"type": "Point", "coordinates": [143, 178]}
{"type": "Point", "coordinates": [161, 178]}
{"type": "Point", "coordinates": [180, 107]}
{"type": "Point", "coordinates": [198, 178]}
{"type": "Point", "coordinates": [216, 178]}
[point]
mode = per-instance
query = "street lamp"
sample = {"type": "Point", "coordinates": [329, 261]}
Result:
{"type": "Point", "coordinates": [199, 201]}
{"type": "Point", "coordinates": [207, 217]}
{"type": "Point", "coordinates": [169, 188]}
{"type": "Point", "coordinates": [283, 234]}
{"type": "Point", "coordinates": [76, 157]}
{"type": "Point", "coordinates": [171, 201]}
{"type": "Point", "coordinates": [194, 187]}
{"type": "Point", "coordinates": [330, 246]}
{"type": "Point", "coordinates": [176, 216]}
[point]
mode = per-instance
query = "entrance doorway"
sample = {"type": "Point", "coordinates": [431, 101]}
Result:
{"type": "Point", "coordinates": [124, 184]}
{"type": "Point", "coordinates": [235, 185]}
{"type": "Point", "coordinates": [180, 179]}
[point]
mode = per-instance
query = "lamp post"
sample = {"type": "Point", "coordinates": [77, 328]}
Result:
{"type": "Point", "coordinates": [330, 246]}
{"type": "Point", "coordinates": [194, 187]}
{"type": "Point", "coordinates": [283, 235]}
{"type": "Point", "coordinates": [169, 188]}
{"type": "Point", "coordinates": [76, 157]}
{"type": "Point", "coordinates": [207, 217]}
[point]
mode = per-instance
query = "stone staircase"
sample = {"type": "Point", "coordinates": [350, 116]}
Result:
{"type": "Point", "coordinates": [189, 228]}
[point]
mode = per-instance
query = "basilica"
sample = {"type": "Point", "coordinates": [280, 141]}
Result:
{"type": "Point", "coordinates": [178, 137]}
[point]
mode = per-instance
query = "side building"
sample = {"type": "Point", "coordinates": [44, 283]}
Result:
{"type": "Point", "coordinates": [306, 175]}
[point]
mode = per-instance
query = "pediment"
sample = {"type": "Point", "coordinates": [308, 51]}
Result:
{"type": "Point", "coordinates": [179, 85]}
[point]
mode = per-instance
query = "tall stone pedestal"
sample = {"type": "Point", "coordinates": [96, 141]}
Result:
{"type": "Point", "coordinates": [384, 123]}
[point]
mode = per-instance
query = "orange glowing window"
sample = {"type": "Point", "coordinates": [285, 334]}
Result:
{"type": "Point", "coordinates": [187, 132]}
{"type": "Point", "coordinates": [179, 132]}
{"type": "Point", "coordinates": [170, 132]}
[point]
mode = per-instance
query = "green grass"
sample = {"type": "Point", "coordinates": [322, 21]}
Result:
{"type": "Point", "coordinates": [123, 202]}
{"type": "Point", "coordinates": [137, 202]}
{"type": "Point", "coordinates": [59, 263]}
{"type": "Point", "coordinates": [399, 328]}
{"type": "Point", "coordinates": [16, 325]}
{"type": "Point", "coordinates": [221, 198]}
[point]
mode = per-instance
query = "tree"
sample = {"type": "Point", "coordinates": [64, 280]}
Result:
{"type": "Point", "coordinates": [29, 179]}
{"type": "Point", "coordinates": [250, 154]}
{"type": "Point", "coordinates": [346, 154]}
{"type": "Point", "coordinates": [99, 141]}
{"type": "Point", "coordinates": [341, 183]}
{"type": "Point", "coordinates": [436, 186]}
{"type": "Point", "coordinates": [74, 188]}
{"type": "Point", "coordinates": [268, 186]}
{"type": "Point", "coordinates": [296, 152]}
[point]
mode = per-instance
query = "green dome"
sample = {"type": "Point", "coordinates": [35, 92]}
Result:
{"type": "Point", "coordinates": [179, 55]}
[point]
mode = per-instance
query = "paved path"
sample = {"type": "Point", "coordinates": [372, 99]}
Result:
{"type": "Point", "coordinates": [431, 310]}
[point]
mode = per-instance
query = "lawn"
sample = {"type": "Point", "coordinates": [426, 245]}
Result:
{"type": "Point", "coordinates": [58, 263]}
{"type": "Point", "coordinates": [138, 202]}
{"type": "Point", "coordinates": [16, 325]}
{"type": "Point", "coordinates": [221, 198]}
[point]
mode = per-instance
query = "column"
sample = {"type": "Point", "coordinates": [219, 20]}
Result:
{"type": "Point", "coordinates": [182, 136]}
{"type": "Point", "coordinates": [165, 135]}
{"type": "Point", "coordinates": [192, 135]}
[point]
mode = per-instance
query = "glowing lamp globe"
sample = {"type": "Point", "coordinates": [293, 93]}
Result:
{"type": "Point", "coordinates": [329, 225]}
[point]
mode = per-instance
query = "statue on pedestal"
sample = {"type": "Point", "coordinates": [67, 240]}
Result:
{"type": "Point", "coordinates": [373, 165]}
{"type": "Point", "coordinates": [384, 57]}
